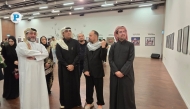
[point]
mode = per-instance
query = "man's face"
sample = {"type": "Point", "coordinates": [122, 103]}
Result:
{"type": "Point", "coordinates": [31, 36]}
{"type": "Point", "coordinates": [92, 37]}
{"type": "Point", "coordinates": [80, 37]}
{"type": "Point", "coordinates": [122, 34]}
{"type": "Point", "coordinates": [53, 39]}
{"type": "Point", "coordinates": [67, 34]}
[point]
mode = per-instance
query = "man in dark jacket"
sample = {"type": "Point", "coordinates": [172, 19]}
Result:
{"type": "Point", "coordinates": [83, 44]}
{"type": "Point", "coordinates": [93, 69]}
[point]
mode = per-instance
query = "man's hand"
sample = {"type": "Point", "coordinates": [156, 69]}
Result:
{"type": "Point", "coordinates": [70, 67]}
{"type": "Point", "coordinates": [31, 58]}
{"type": "Point", "coordinates": [103, 43]}
{"type": "Point", "coordinates": [119, 74]}
{"type": "Point", "coordinates": [47, 65]}
{"type": "Point", "coordinates": [16, 62]}
{"type": "Point", "coordinates": [87, 73]}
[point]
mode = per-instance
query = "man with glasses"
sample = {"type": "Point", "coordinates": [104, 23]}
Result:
{"type": "Point", "coordinates": [32, 82]}
{"type": "Point", "coordinates": [68, 53]}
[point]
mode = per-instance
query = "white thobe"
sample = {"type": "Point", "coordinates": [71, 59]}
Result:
{"type": "Point", "coordinates": [32, 83]}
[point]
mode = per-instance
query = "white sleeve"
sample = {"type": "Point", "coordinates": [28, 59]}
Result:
{"type": "Point", "coordinates": [44, 54]}
{"type": "Point", "coordinates": [22, 50]}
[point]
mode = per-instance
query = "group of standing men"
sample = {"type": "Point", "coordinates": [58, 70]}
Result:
{"type": "Point", "coordinates": [75, 57]}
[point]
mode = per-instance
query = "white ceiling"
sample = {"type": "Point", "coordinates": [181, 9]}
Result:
{"type": "Point", "coordinates": [28, 7]}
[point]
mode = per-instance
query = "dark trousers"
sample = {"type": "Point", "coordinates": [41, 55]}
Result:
{"type": "Point", "coordinates": [81, 68]}
{"type": "Point", "coordinates": [98, 83]}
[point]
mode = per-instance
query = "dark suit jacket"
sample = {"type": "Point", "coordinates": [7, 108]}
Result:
{"type": "Point", "coordinates": [93, 62]}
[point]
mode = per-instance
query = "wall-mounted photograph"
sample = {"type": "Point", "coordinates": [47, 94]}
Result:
{"type": "Point", "coordinates": [19, 40]}
{"type": "Point", "coordinates": [179, 40]}
{"type": "Point", "coordinates": [135, 41]}
{"type": "Point", "coordinates": [185, 39]}
{"type": "Point", "coordinates": [172, 41]}
{"type": "Point", "coordinates": [149, 41]}
{"type": "Point", "coordinates": [110, 40]}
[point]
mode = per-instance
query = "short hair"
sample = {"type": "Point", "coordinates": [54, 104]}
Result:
{"type": "Point", "coordinates": [96, 33]}
{"type": "Point", "coordinates": [52, 37]}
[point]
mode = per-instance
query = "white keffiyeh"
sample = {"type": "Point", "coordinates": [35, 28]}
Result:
{"type": "Point", "coordinates": [62, 44]}
{"type": "Point", "coordinates": [93, 47]}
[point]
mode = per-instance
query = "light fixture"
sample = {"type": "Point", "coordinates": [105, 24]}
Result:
{"type": "Point", "coordinates": [31, 18]}
{"type": "Point", "coordinates": [55, 11]}
{"type": "Point", "coordinates": [105, 5]}
{"type": "Point", "coordinates": [81, 8]}
{"type": "Point", "coordinates": [58, 14]}
{"type": "Point", "coordinates": [70, 13]}
{"type": "Point", "coordinates": [6, 17]}
{"type": "Point", "coordinates": [115, 1]}
{"type": "Point", "coordinates": [36, 13]}
{"type": "Point", "coordinates": [44, 7]}
{"type": "Point", "coordinates": [145, 5]}
{"type": "Point", "coordinates": [66, 4]}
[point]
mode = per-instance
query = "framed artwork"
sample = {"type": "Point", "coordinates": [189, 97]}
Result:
{"type": "Point", "coordinates": [149, 41]}
{"type": "Point", "coordinates": [167, 41]}
{"type": "Point", "coordinates": [110, 40]}
{"type": "Point", "coordinates": [172, 41]}
{"type": "Point", "coordinates": [179, 40]}
{"type": "Point", "coordinates": [185, 39]}
{"type": "Point", "coordinates": [19, 40]}
{"type": "Point", "coordinates": [135, 41]}
{"type": "Point", "coordinates": [169, 44]}
{"type": "Point", "coordinates": [37, 40]}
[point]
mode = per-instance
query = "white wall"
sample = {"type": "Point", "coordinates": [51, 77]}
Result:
{"type": "Point", "coordinates": [142, 21]}
{"type": "Point", "coordinates": [0, 31]}
{"type": "Point", "coordinates": [178, 64]}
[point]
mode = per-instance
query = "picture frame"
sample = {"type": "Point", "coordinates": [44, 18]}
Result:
{"type": "Point", "coordinates": [135, 41]}
{"type": "Point", "coordinates": [19, 40]}
{"type": "Point", "coordinates": [185, 39]}
{"type": "Point", "coordinates": [179, 40]}
{"type": "Point", "coordinates": [110, 40]}
{"type": "Point", "coordinates": [37, 40]}
{"type": "Point", "coordinates": [172, 41]}
{"type": "Point", "coordinates": [169, 45]}
{"type": "Point", "coordinates": [167, 41]}
{"type": "Point", "coordinates": [149, 41]}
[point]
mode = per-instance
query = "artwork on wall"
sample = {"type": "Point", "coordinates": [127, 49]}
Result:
{"type": "Point", "coordinates": [37, 40]}
{"type": "Point", "coordinates": [149, 41]}
{"type": "Point", "coordinates": [135, 41]}
{"type": "Point", "coordinates": [19, 40]}
{"type": "Point", "coordinates": [167, 42]}
{"type": "Point", "coordinates": [110, 40]}
{"type": "Point", "coordinates": [172, 41]}
{"type": "Point", "coordinates": [185, 39]}
{"type": "Point", "coordinates": [179, 40]}
{"type": "Point", "coordinates": [100, 38]}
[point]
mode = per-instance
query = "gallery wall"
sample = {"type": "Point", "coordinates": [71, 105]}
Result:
{"type": "Point", "coordinates": [141, 22]}
{"type": "Point", "coordinates": [178, 63]}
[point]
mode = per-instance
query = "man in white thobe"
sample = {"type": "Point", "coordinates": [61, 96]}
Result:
{"type": "Point", "coordinates": [33, 88]}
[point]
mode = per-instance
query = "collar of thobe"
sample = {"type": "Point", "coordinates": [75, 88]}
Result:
{"type": "Point", "coordinates": [62, 44]}
{"type": "Point", "coordinates": [122, 42]}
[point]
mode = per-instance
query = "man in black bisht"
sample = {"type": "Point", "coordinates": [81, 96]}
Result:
{"type": "Point", "coordinates": [93, 69]}
{"type": "Point", "coordinates": [121, 56]}
{"type": "Point", "coordinates": [83, 44]}
{"type": "Point", "coordinates": [68, 52]}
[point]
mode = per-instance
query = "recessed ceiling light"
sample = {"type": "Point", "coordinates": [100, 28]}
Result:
{"type": "Point", "coordinates": [105, 5]}
{"type": "Point", "coordinates": [145, 5]}
{"type": "Point", "coordinates": [71, 3]}
{"type": "Point", "coordinates": [115, 1]}
{"type": "Point", "coordinates": [55, 11]}
{"type": "Point", "coordinates": [36, 13]}
{"type": "Point", "coordinates": [6, 17]}
{"type": "Point", "coordinates": [44, 7]}
{"type": "Point", "coordinates": [57, 14]}
{"type": "Point", "coordinates": [70, 13]}
{"type": "Point", "coordinates": [81, 8]}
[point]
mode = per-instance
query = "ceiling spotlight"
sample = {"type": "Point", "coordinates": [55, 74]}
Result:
{"type": "Point", "coordinates": [70, 13]}
{"type": "Point", "coordinates": [119, 11]}
{"type": "Point", "coordinates": [58, 14]}
{"type": "Point", "coordinates": [115, 1]}
{"type": "Point", "coordinates": [82, 14]}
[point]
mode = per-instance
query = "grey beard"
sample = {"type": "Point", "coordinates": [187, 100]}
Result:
{"type": "Point", "coordinates": [29, 39]}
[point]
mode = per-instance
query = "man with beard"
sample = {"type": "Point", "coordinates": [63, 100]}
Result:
{"type": "Point", "coordinates": [32, 82]}
{"type": "Point", "coordinates": [68, 53]}
{"type": "Point", "coordinates": [121, 56]}
{"type": "Point", "coordinates": [83, 44]}
{"type": "Point", "coordinates": [93, 69]}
